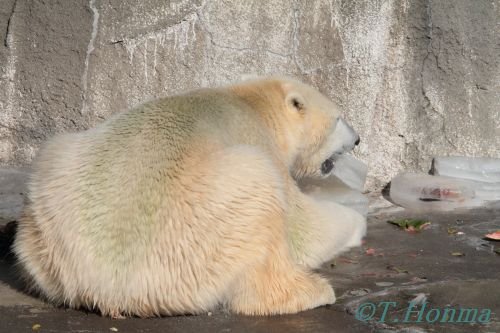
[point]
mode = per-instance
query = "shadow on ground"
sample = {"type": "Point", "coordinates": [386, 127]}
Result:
{"type": "Point", "coordinates": [8, 275]}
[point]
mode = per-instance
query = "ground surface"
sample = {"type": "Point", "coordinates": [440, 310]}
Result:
{"type": "Point", "coordinates": [392, 266]}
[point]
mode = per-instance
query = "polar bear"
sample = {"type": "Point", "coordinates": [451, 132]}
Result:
{"type": "Point", "coordinates": [190, 202]}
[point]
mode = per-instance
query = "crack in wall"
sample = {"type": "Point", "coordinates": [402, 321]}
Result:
{"type": "Point", "coordinates": [296, 41]}
{"type": "Point", "coordinates": [207, 31]}
{"type": "Point", "coordinates": [153, 33]}
{"type": "Point", "coordinates": [295, 32]}
{"type": "Point", "coordinates": [90, 49]}
{"type": "Point", "coordinates": [7, 119]}
{"type": "Point", "coordinates": [430, 52]}
{"type": "Point", "coordinates": [180, 32]}
{"type": "Point", "coordinates": [334, 21]}
{"type": "Point", "coordinates": [8, 31]}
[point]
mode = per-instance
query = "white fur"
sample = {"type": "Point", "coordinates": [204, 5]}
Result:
{"type": "Point", "coordinates": [188, 202]}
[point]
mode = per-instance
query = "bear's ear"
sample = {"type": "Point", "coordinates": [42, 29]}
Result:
{"type": "Point", "coordinates": [296, 101]}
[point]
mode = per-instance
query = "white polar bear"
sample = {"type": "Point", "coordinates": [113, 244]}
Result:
{"type": "Point", "coordinates": [191, 201]}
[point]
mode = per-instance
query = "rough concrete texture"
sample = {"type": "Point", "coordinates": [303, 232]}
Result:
{"type": "Point", "coordinates": [12, 193]}
{"type": "Point", "coordinates": [392, 266]}
{"type": "Point", "coordinates": [416, 78]}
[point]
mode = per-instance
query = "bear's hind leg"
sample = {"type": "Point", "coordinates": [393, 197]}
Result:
{"type": "Point", "coordinates": [276, 285]}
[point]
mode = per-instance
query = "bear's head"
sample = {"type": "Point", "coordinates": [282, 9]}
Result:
{"type": "Point", "coordinates": [321, 135]}
{"type": "Point", "coordinates": [308, 126]}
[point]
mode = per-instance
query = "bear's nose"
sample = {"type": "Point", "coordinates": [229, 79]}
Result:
{"type": "Point", "coordinates": [357, 141]}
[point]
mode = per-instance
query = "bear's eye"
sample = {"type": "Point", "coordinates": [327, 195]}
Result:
{"type": "Point", "coordinates": [297, 104]}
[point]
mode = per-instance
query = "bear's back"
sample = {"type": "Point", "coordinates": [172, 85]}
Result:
{"type": "Point", "coordinates": [105, 185]}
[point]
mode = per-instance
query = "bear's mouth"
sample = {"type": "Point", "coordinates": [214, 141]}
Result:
{"type": "Point", "coordinates": [327, 166]}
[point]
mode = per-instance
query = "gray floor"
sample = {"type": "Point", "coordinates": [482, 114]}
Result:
{"type": "Point", "coordinates": [400, 266]}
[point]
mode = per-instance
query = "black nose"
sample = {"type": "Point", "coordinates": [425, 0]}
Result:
{"type": "Point", "coordinates": [357, 141]}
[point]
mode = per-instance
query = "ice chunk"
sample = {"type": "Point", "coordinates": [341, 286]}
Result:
{"type": "Point", "coordinates": [333, 189]}
{"type": "Point", "coordinates": [474, 168]}
{"type": "Point", "coordinates": [426, 192]}
{"type": "Point", "coordinates": [343, 185]}
{"type": "Point", "coordinates": [350, 171]}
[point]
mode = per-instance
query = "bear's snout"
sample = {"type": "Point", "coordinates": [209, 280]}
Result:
{"type": "Point", "coordinates": [344, 138]}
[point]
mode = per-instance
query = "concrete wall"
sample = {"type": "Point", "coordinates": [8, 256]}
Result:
{"type": "Point", "coordinates": [416, 78]}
